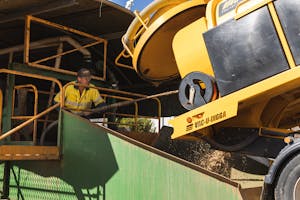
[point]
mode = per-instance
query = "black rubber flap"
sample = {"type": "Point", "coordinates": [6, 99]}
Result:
{"type": "Point", "coordinates": [245, 51]}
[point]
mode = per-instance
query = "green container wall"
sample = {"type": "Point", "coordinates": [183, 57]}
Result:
{"type": "Point", "coordinates": [98, 164]}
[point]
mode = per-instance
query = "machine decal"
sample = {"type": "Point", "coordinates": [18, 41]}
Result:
{"type": "Point", "coordinates": [189, 127]}
{"type": "Point", "coordinates": [198, 116]}
{"type": "Point", "coordinates": [200, 121]}
{"type": "Point", "coordinates": [227, 6]}
{"type": "Point", "coordinates": [210, 119]}
{"type": "Point", "coordinates": [189, 120]}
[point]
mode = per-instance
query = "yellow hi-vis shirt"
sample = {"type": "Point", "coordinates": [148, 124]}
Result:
{"type": "Point", "coordinates": [74, 101]}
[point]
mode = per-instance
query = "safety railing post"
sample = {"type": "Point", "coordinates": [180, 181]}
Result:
{"type": "Point", "coordinates": [10, 103]}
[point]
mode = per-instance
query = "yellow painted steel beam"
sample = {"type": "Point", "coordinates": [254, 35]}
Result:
{"type": "Point", "coordinates": [37, 64]}
{"type": "Point", "coordinates": [281, 35]}
{"type": "Point", "coordinates": [37, 76]}
{"type": "Point", "coordinates": [65, 28]}
{"type": "Point", "coordinates": [29, 121]}
{"type": "Point", "coordinates": [226, 107]}
{"type": "Point", "coordinates": [35, 106]}
{"type": "Point", "coordinates": [10, 152]}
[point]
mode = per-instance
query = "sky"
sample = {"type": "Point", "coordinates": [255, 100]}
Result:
{"type": "Point", "coordinates": [138, 4]}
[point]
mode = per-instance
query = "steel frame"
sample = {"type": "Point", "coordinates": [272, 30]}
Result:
{"type": "Point", "coordinates": [37, 64]}
{"type": "Point", "coordinates": [35, 91]}
{"type": "Point", "coordinates": [30, 119]}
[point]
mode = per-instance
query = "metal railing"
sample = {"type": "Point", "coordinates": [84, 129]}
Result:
{"type": "Point", "coordinates": [126, 56]}
{"type": "Point", "coordinates": [136, 107]}
{"type": "Point", "coordinates": [136, 123]}
{"type": "Point", "coordinates": [29, 119]}
{"type": "Point", "coordinates": [27, 122]}
{"type": "Point", "coordinates": [35, 110]}
{"type": "Point", "coordinates": [37, 76]}
{"type": "Point", "coordinates": [37, 63]}
{"type": "Point", "coordinates": [126, 96]}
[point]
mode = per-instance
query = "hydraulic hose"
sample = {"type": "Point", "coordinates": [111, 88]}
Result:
{"type": "Point", "coordinates": [46, 130]}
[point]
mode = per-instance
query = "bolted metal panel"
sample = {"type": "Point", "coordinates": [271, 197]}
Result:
{"type": "Point", "coordinates": [245, 51]}
{"type": "Point", "coordinates": [98, 163]}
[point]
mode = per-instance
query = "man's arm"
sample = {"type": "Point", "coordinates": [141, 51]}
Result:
{"type": "Point", "coordinates": [98, 100]}
{"type": "Point", "coordinates": [57, 100]}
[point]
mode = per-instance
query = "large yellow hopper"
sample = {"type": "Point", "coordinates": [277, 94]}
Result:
{"type": "Point", "coordinates": [149, 38]}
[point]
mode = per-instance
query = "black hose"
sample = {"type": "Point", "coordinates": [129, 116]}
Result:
{"type": "Point", "coordinates": [44, 133]}
{"type": "Point", "coordinates": [231, 148]}
{"type": "Point", "coordinates": [129, 102]}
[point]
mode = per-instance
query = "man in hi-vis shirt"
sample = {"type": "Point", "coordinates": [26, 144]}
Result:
{"type": "Point", "coordinates": [79, 98]}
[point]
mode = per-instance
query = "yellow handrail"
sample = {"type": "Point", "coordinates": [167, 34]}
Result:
{"type": "Point", "coordinates": [117, 60]}
{"type": "Point", "coordinates": [37, 76]}
{"type": "Point", "coordinates": [136, 107]}
{"type": "Point", "coordinates": [239, 5]}
{"type": "Point", "coordinates": [128, 115]}
{"type": "Point", "coordinates": [37, 116]}
{"type": "Point", "coordinates": [97, 40]}
{"type": "Point", "coordinates": [35, 107]}
{"type": "Point", "coordinates": [129, 38]}
{"type": "Point", "coordinates": [14, 130]}
{"type": "Point", "coordinates": [114, 96]}
{"type": "Point", "coordinates": [106, 90]}
{"type": "Point", "coordinates": [65, 53]}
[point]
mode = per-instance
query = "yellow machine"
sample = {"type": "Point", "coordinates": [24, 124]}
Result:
{"type": "Point", "coordinates": [238, 61]}
{"type": "Point", "coordinates": [235, 59]}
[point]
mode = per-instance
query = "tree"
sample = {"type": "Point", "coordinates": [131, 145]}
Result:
{"type": "Point", "coordinates": [142, 125]}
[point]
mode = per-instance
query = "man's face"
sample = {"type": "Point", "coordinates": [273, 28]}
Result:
{"type": "Point", "coordinates": [83, 80]}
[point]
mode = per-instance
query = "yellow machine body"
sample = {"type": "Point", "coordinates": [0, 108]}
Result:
{"type": "Point", "coordinates": [189, 43]}
{"type": "Point", "coordinates": [271, 103]}
{"type": "Point", "coordinates": [149, 38]}
{"type": "Point", "coordinates": [173, 45]}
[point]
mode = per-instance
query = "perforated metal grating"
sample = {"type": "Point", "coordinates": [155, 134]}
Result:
{"type": "Point", "coordinates": [30, 186]}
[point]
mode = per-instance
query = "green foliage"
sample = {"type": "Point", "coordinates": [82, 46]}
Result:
{"type": "Point", "coordinates": [142, 125]}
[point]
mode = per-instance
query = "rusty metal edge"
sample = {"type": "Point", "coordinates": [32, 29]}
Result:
{"type": "Point", "coordinates": [114, 5]}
